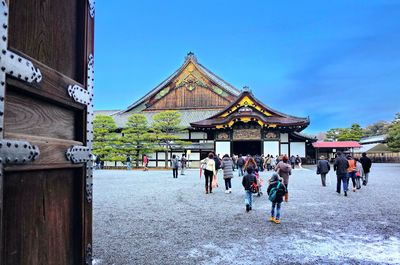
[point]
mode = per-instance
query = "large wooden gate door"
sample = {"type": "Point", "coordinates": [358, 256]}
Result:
{"type": "Point", "coordinates": [46, 82]}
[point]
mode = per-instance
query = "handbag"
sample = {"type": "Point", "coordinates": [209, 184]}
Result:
{"type": "Point", "coordinates": [358, 174]}
{"type": "Point", "coordinates": [214, 182]}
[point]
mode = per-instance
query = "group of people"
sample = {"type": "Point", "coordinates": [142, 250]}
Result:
{"type": "Point", "coordinates": [346, 168]}
{"type": "Point", "coordinates": [177, 163]}
{"type": "Point", "coordinates": [262, 162]}
{"type": "Point", "coordinates": [249, 168]}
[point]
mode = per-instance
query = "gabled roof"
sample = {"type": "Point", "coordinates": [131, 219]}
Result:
{"type": "Point", "coordinates": [190, 58]}
{"type": "Point", "coordinates": [373, 139]}
{"type": "Point", "coordinates": [247, 108]}
{"type": "Point", "coordinates": [339, 144]}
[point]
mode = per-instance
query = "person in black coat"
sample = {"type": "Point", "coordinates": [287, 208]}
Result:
{"type": "Point", "coordinates": [323, 169]}
{"type": "Point", "coordinates": [366, 164]}
{"type": "Point", "coordinates": [340, 166]}
{"type": "Point", "coordinates": [247, 181]}
{"type": "Point", "coordinates": [277, 201]}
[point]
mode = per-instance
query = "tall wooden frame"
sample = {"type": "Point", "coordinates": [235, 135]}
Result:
{"type": "Point", "coordinates": [46, 131]}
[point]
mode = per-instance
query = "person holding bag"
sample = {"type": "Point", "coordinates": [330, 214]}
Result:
{"type": "Point", "coordinates": [208, 164]}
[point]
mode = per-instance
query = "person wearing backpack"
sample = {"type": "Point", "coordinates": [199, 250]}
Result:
{"type": "Point", "coordinates": [276, 190]}
{"type": "Point", "coordinates": [248, 182]}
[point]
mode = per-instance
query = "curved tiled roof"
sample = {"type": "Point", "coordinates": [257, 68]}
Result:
{"type": "Point", "coordinates": [275, 117]}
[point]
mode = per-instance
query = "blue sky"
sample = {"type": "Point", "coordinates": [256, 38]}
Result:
{"type": "Point", "coordinates": [335, 61]}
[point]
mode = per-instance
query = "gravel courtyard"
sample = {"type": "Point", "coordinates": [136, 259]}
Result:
{"type": "Point", "coordinates": [150, 218]}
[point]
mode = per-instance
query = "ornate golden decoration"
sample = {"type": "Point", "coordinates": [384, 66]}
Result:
{"type": "Point", "coordinates": [247, 134]}
{"type": "Point", "coordinates": [223, 136]}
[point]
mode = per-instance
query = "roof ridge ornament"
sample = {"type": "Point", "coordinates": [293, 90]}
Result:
{"type": "Point", "coordinates": [190, 56]}
{"type": "Point", "coordinates": [246, 89]}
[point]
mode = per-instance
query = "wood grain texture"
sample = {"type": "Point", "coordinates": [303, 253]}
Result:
{"type": "Point", "coordinates": [28, 115]}
{"type": "Point", "coordinates": [182, 98]}
{"type": "Point", "coordinates": [42, 217]}
{"type": "Point", "coordinates": [63, 31]}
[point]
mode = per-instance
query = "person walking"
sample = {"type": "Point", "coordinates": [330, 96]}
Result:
{"type": "Point", "coordinates": [366, 165]}
{"type": "Point", "coordinates": [234, 159]}
{"type": "Point", "coordinates": [240, 164]}
{"type": "Point", "coordinates": [273, 163]}
{"type": "Point", "coordinates": [323, 169]}
{"type": "Point", "coordinates": [227, 165]}
{"type": "Point", "coordinates": [284, 170]}
{"type": "Point", "coordinates": [351, 171]}
{"type": "Point", "coordinates": [298, 161]}
{"type": "Point", "coordinates": [128, 162]}
{"type": "Point", "coordinates": [247, 181]}
{"type": "Point", "coordinates": [340, 166]}
{"type": "Point", "coordinates": [276, 190]}
{"type": "Point", "coordinates": [145, 162]}
{"type": "Point", "coordinates": [250, 163]}
{"type": "Point", "coordinates": [267, 162]}
{"type": "Point", "coordinates": [183, 164]}
{"type": "Point", "coordinates": [209, 171]}
{"type": "Point", "coordinates": [258, 161]}
{"type": "Point", "coordinates": [98, 162]}
{"type": "Point", "coordinates": [175, 166]}
{"type": "Point", "coordinates": [292, 160]}
{"type": "Point", "coordinates": [359, 173]}
{"type": "Point", "coordinates": [218, 162]}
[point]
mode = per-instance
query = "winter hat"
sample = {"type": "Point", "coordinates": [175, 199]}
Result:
{"type": "Point", "coordinates": [274, 177]}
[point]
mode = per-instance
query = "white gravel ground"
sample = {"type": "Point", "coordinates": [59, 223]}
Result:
{"type": "Point", "coordinates": [150, 218]}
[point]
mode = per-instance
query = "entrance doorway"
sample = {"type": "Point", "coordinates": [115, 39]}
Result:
{"type": "Point", "coordinates": [246, 147]}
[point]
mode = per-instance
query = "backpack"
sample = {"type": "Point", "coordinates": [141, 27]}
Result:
{"type": "Point", "coordinates": [273, 192]}
{"type": "Point", "coordinates": [254, 188]}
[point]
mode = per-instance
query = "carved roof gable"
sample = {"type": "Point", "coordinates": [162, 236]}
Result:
{"type": "Point", "coordinates": [190, 76]}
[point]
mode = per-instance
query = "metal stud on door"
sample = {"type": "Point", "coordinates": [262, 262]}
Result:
{"type": "Point", "coordinates": [13, 151]}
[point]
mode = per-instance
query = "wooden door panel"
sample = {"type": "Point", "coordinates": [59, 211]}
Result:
{"type": "Point", "coordinates": [31, 115]}
{"type": "Point", "coordinates": [66, 37]}
{"type": "Point", "coordinates": [45, 204]}
{"type": "Point", "coordinates": [52, 86]}
{"type": "Point", "coordinates": [42, 217]}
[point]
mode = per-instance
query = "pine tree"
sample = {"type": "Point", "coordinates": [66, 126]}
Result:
{"type": "Point", "coordinates": [332, 135]}
{"type": "Point", "coordinates": [377, 128]}
{"type": "Point", "coordinates": [354, 133]}
{"type": "Point", "coordinates": [107, 143]}
{"type": "Point", "coordinates": [137, 139]}
{"type": "Point", "coordinates": [393, 136]}
{"type": "Point", "coordinates": [165, 128]}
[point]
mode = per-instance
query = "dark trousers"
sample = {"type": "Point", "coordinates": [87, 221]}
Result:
{"type": "Point", "coordinates": [208, 176]}
{"type": "Point", "coordinates": [175, 172]}
{"type": "Point", "coordinates": [323, 179]}
{"type": "Point", "coordinates": [228, 184]}
{"type": "Point", "coordinates": [341, 178]}
{"type": "Point", "coordinates": [352, 175]}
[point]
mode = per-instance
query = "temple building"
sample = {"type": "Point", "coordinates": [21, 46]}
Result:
{"type": "Point", "coordinates": [219, 117]}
